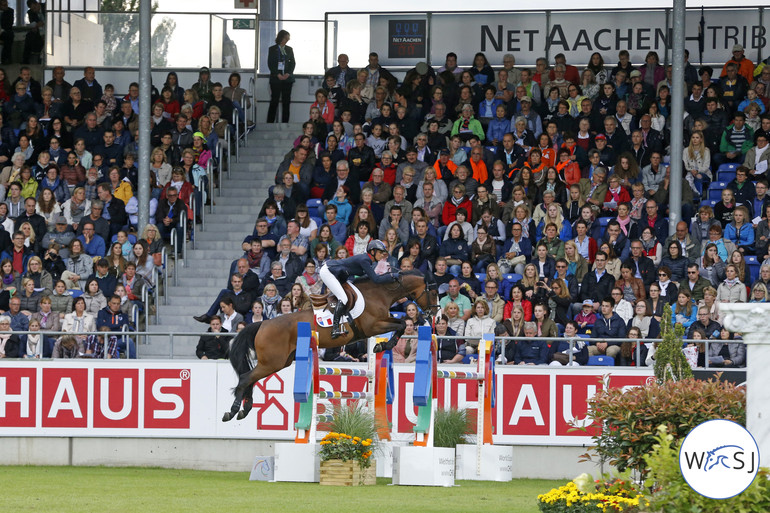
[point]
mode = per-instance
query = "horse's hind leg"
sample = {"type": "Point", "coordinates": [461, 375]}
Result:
{"type": "Point", "coordinates": [240, 392]}
{"type": "Point", "coordinates": [247, 396]}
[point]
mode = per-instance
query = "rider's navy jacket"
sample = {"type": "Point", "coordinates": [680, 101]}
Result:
{"type": "Point", "coordinates": [360, 265]}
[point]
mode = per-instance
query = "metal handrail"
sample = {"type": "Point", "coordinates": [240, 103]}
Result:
{"type": "Point", "coordinates": [166, 283]}
{"type": "Point", "coordinates": [237, 136]}
{"type": "Point", "coordinates": [156, 296]}
{"type": "Point", "coordinates": [174, 245]}
{"type": "Point", "coordinates": [184, 239]}
{"type": "Point", "coordinates": [210, 175]}
{"type": "Point", "coordinates": [195, 218]}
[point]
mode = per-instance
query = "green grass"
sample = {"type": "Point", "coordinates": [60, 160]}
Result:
{"type": "Point", "coordinates": [137, 490]}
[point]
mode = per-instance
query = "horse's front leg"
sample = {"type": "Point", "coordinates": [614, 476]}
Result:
{"type": "Point", "coordinates": [397, 326]}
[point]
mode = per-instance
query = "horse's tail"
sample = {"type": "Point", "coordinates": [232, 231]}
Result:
{"type": "Point", "coordinates": [239, 352]}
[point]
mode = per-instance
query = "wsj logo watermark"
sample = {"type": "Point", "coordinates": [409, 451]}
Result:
{"type": "Point", "coordinates": [719, 459]}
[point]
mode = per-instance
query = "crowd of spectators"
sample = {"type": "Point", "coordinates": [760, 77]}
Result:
{"type": "Point", "coordinates": [554, 177]}
{"type": "Point", "coordinates": [69, 184]}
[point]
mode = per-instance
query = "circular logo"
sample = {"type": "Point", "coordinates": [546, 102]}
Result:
{"type": "Point", "coordinates": [719, 459]}
{"type": "Point", "coordinates": [184, 374]}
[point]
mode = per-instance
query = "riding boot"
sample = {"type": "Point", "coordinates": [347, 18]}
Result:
{"type": "Point", "coordinates": [338, 329]}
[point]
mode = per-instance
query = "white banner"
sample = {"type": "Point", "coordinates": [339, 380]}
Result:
{"type": "Point", "coordinates": [187, 399]}
{"type": "Point", "coordinates": [576, 34]}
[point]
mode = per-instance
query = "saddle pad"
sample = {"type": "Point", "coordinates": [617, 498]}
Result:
{"type": "Point", "coordinates": [325, 319]}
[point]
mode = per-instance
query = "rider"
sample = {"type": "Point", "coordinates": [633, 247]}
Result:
{"type": "Point", "coordinates": [335, 271]}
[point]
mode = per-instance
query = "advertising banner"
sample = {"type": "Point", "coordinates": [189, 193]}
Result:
{"type": "Point", "coordinates": [577, 34]}
{"type": "Point", "coordinates": [178, 399]}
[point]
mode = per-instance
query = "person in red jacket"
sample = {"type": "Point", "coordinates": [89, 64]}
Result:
{"type": "Point", "coordinates": [458, 200]}
{"type": "Point", "coordinates": [616, 194]}
{"type": "Point", "coordinates": [569, 170]}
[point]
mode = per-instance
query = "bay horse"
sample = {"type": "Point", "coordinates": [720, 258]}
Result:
{"type": "Point", "coordinates": [275, 340]}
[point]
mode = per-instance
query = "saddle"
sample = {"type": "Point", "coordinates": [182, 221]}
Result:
{"type": "Point", "coordinates": [326, 301]}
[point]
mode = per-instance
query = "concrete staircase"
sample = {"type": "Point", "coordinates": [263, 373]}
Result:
{"type": "Point", "coordinates": [205, 271]}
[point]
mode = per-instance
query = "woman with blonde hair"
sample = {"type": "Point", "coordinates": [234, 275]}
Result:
{"type": "Point", "coordinates": [160, 166]}
{"type": "Point", "coordinates": [30, 298]}
{"type": "Point", "coordinates": [456, 322]}
{"type": "Point", "coordinates": [11, 173]}
{"type": "Point", "coordinates": [270, 299]}
{"type": "Point", "coordinates": [479, 324]}
{"type": "Point", "coordinates": [577, 265]}
{"type": "Point", "coordinates": [42, 278]}
{"type": "Point", "coordinates": [697, 162]}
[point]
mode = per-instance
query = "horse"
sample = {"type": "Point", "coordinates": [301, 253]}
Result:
{"type": "Point", "coordinates": [275, 340]}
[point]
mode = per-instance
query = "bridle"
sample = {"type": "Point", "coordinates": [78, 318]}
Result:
{"type": "Point", "coordinates": [432, 309]}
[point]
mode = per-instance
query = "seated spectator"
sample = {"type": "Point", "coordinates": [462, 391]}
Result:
{"type": "Point", "coordinates": [570, 344]}
{"type": "Point", "coordinates": [93, 244]}
{"type": "Point", "coordinates": [608, 325]}
{"type": "Point", "coordinates": [213, 347]}
{"type": "Point", "coordinates": [270, 300]}
{"type": "Point", "coordinates": [242, 300]}
{"type": "Point", "coordinates": [726, 353]}
{"type": "Point", "coordinates": [675, 261]}
{"type": "Point", "coordinates": [79, 266]}
{"type": "Point", "coordinates": [530, 352]}
{"type": "Point", "coordinates": [741, 231]}
{"type": "Point", "coordinates": [114, 319]}
{"type": "Point", "coordinates": [29, 297]}
{"type": "Point", "coordinates": [94, 298]}
{"type": "Point", "coordinates": [10, 345]}
{"type": "Point", "coordinates": [642, 320]}
{"type": "Point", "coordinates": [97, 345]}
{"type": "Point", "coordinates": [586, 318]}
{"type": "Point", "coordinates": [731, 290]}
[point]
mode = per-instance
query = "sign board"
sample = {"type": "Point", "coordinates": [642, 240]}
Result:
{"type": "Point", "coordinates": [576, 34]}
{"type": "Point", "coordinates": [406, 39]}
{"type": "Point", "coordinates": [186, 399]}
{"type": "Point", "coordinates": [246, 4]}
{"type": "Point", "coordinates": [244, 23]}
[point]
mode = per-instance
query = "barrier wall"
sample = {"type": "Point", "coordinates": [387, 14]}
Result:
{"type": "Point", "coordinates": [186, 399]}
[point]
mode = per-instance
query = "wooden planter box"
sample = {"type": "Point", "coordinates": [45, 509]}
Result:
{"type": "Point", "coordinates": [347, 473]}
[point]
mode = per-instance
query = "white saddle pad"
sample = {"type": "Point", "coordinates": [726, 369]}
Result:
{"type": "Point", "coordinates": [325, 319]}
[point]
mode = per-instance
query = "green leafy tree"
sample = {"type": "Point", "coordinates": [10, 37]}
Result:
{"type": "Point", "coordinates": [120, 20]}
{"type": "Point", "coordinates": [670, 362]}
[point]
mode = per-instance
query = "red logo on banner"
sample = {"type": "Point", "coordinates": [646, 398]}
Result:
{"type": "Point", "coordinates": [65, 398]}
{"type": "Point", "coordinates": [167, 398]}
{"type": "Point", "coordinates": [572, 395]}
{"type": "Point", "coordinates": [116, 398]}
{"type": "Point", "coordinates": [525, 404]}
{"type": "Point", "coordinates": [271, 414]}
{"type": "Point", "coordinates": [18, 389]}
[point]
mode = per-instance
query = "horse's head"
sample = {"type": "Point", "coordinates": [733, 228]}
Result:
{"type": "Point", "coordinates": [421, 289]}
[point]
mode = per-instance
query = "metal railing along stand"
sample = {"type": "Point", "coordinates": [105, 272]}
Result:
{"type": "Point", "coordinates": [237, 136]}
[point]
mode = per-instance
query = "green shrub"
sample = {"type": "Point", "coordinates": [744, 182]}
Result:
{"type": "Point", "coordinates": [630, 419]}
{"type": "Point", "coordinates": [672, 494]}
{"type": "Point", "coordinates": [451, 427]}
{"type": "Point", "coordinates": [354, 419]}
{"type": "Point", "coordinates": [670, 362]}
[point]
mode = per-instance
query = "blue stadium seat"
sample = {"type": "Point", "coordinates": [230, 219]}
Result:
{"type": "Point", "coordinates": [729, 166]}
{"type": "Point", "coordinates": [318, 220]}
{"type": "Point", "coordinates": [726, 176]}
{"type": "Point", "coordinates": [753, 267]}
{"type": "Point", "coordinates": [604, 220]}
{"type": "Point", "coordinates": [708, 203]}
{"type": "Point", "coordinates": [481, 276]}
{"type": "Point", "coordinates": [512, 277]}
{"type": "Point", "coordinates": [75, 293]}
{"type": "Point", "coordinates": [398, 315]}
{"type": "Point", "coordinates": [601, 360]}
{"type": "Point", "coordinates": [715, 193]}
{"type": "Point", "coordinates": [314, 206]}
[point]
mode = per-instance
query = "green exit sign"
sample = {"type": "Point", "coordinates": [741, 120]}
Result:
{"type": "Point", "coordinates": [243, 23]}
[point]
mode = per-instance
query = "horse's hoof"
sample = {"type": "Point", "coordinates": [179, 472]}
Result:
{"type": "Point", "coordinates": [227, 417]}
{"type": "Point", "coordinates": [242, 414]}
{"type": "Point", "coordinates": [378, 348]}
